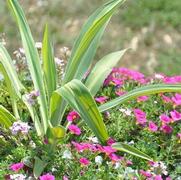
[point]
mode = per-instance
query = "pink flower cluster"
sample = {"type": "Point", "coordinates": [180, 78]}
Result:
{"type": "Point", "coordinates": [108, 151]}
{"type": "Point", "coordinates": [119, 75]}
{"type": "Point", "coordinates": [47, 177]}
{"type": "Point", "coordinates": [16, 166]}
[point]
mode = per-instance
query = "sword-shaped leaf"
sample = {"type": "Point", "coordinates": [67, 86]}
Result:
{"type": "Point", "coordinates": [101, 70]}
{"type": "Point", "coordinates": [141, 91]}
{"type": "Point", "coordinates": [80, 99]}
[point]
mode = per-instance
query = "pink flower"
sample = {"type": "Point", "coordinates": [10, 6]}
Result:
{"type": "Point", "coordinates": [17, 166]}
{"type": "Point", "coordinates": [142, 98]}
{"type": "Point", "coordinates": [73, 115]}
{"type": "Point", "coordinates": [177, 99]}
{"type": "Point", "coordinates": [175, 115]}
{"type": "Point", "coordinates": [166, 99]}
{"type": "Point", "coordinates": [152, 126]}
{"type": "Point", "coordinates": [84, 161]}
{"type": "Point", "coordinates": [108, 150]}
{"type": "Point", "coordinates": [114, 158]}
{"type": "Point", "coordinates": [145, 173]}
{"type": "Point", "coordinates": [110, 141]}
{"type": "Point", "coordinates": [101, 99]}
{"type": "Point", "coordinates": [47, 177]}
{"type": "Point", "coordinates": [65, 178]}
{"type": "Point", "coordinates": [140, 116]}
{"type": "Point", "coordinates": [117, 82]}
{"type": "Point", "coordinates": [158, 177]}
{"type": "Point", "coordinates": [129, 163]}
{"type": "Point", "coordinates": [154, 164]}
{"type": "Point", "coordinates": [166, 129]}
{"type": "Point", "coordinates": [120, 93]}
{"type": "Point", "coordinates": [74, 129]}
{"type": "Point", "coordinates": [165, 119]}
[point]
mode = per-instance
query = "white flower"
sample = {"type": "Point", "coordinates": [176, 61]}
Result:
{"type": "Point", "coordinates": [117, 165]}
{"type": "Point", "coordinates": [127, 112]}
{"type": "Point", "coordinates": [67, 154]}
{"type": "Point", "coordinates": [19, 126]}
{"type": "Point", "coordinates": [98, 160]}
{"type": "Point", "coordinates": [159, 76]}
{"type": "Point", "coordinates": [32, 144]}
{"type": "Point", "coordinates": [17, 177]}
{"type": "Point", "coordinates": [93, 139]}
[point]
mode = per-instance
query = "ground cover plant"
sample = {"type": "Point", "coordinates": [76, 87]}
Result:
{"type": "Point", "coordinates": [53, 126]}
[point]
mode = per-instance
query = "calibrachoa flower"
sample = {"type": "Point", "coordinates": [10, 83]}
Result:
{"type": "Point", "coordinates": [108, 150]}
{"type": "Point", "coordinates": [19, 127]}
{"type": "Point", "coordinates": [166, 129]}
{"type": "Point", "coordinates": [152, 126]}
{"type": "Point", "coordinates": [140, 116]}
{"type": "Point", "coordinates": [74, 129]}
{"type": "Point", "coordinates": [175, 115]}
{"type": "Point", "coordinates": [110, 141]}
{"type": "Point", "coordinates": [165, 119]}
{"type": "Point", "coordinates": [142, 98]}
{"type": "Point", "coordinates": [145, 173]}
{"type": "Point", "coordinates": [17, 166]}
{"type": "Point", "coordinates": [65, 178]}
{"type": "Point", "coordinates": [166, 99]}
{"type": "Point", "coordinates": [73, 115]}
{"type": "Point", "coordinates": [101, 99]}
{"type": "Point", "coordinates": [84, 161]}
{"type": "Point", "coordinates": [114, 158]}
{"type": "Point", "coordinates": [177, 99]}
{"type": "Point", "coordinates": [47, 177]}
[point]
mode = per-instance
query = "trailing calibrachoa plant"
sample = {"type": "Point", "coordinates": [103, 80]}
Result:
{"type": "Point", "coordinates": [47, 102]}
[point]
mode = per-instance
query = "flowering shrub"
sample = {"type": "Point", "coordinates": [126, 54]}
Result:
{"type": "Point", "coordinates": [59, 132]}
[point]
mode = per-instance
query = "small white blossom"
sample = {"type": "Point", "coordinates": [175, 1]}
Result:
{"type": "Point", "coordinates": [98, 160]}
{"type": "Point", "coordinates": [17, 177]}
{"type": "Point", "coordinates": [117, 165]}
{"type": "Point", "coordinates": [93, 139]}
{"type": "Point", "coordinates": [67, 154]}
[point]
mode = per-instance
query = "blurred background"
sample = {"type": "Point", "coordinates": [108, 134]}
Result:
{"type": "Point", "coordinates": [151, 27]}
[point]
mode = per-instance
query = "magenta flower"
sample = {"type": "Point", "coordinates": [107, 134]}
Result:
{"type": "Point", "coordinates": [114, 158]}
{"type": "Point", "coordinates": [74, 129]}
{"type": "Point", "coordinates": [108, 150]}
{"type": "Point", "coordinates": [17, 166]}
{"type": "Point", "coordinates": [47, 177]}
{"type": "Point", "coordinates": [145, 173]}
{"type": "Point", "coordinates": [117, 82]}
{"type": "Point", "coordinates": [175, 115]}
{"type": "Point", "coordinates": [120, 93]}
{"type": "Point", "coordinates": [142, 98]}
{"type": "Point", "coordinates": [110, 141]}
{"type": "Point", "coordinates": [166, 99]}
{"type": "Point", "coordinates": [65, 178]}
{"type": "Point", "coordinates": [177, 99]}
{"type": "Point", "coordinates": [158, 177]}
{"type": "Point", "coordinates": [166, 129]}
{"type": "Point", "coordinates": [152, 126]}
{"type": "Point", "coordinates": [165, 119]}
{"type": "Point", "coordinates": [140, 116]}
{"type": "Point", "coordinates": [84, 161]}
{"type": "Point", "coordinates": [101, 99]}
{"type": "Point", "coordinates": [73, 115]}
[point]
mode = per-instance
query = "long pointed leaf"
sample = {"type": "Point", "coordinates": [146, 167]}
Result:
{"type": "Point", "coordinates": [94, 26]}
{"type": "Point", "coordinates": [131, 150]}
{"type": "Point", "coordinates": [32, 58]}
{"type": "Point", "coordinates": [78, 96]}
{"type": "Point", "coordinates": [146, 90]}
{"type": "Point", "coordinates": [101, 70]}
{"type": "Point", "coordinates": [49, 63]}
